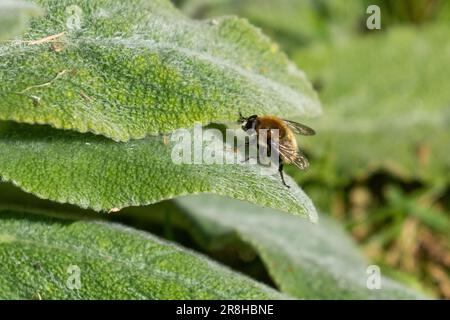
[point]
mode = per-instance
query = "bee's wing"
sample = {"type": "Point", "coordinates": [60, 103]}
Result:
{"type": "Point", "coordinates": [296, 157]}
{"type": "Point", "coordinates": [299, 128]}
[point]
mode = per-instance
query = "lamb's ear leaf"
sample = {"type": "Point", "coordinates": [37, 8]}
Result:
{"type": "Point", "coordinates": [14, 17]}
{"type": "Point", "coordinates": [128, 69]}
{"type": "Point", "coordinates": [305, 261]}
{"type": "Point", "coordinates": [59, 258]}
{"type": "Point", "coordinates": [95, 172]}
{"type": "Point", "coordinates": [293, 23]}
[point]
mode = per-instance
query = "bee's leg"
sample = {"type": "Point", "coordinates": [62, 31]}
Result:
{"type": "Point", "coordinates": [280, 170]}
{"type": "Point", "coordinates": [247, 144]}
{"type": "Point", "coordinates": [280, 165]}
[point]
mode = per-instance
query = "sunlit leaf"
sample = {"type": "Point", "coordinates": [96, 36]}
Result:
{"type": "Point", "coordinates": [133, 68]}
{"type": "Point", "coordinates": [293, 23]}
{"type": "Point", "coordinates": [96, 172]}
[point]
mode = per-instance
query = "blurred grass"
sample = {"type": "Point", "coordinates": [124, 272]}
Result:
{"type": "Point", "coordinates": [401, 218]}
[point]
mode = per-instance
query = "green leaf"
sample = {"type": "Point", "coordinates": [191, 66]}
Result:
{"type": "Point", "coordinates": [42, 256]}
{"type": "Point", "coordinates": [129, 69]}
{"type": "Point", "coordinates": [387, 104]}
{"type": "Point", "coordinates": [304, 260]}
{"type": "Point", "coordinates": [14, 16]}
{"type": "Point", "coordinates": [293, 23]}
{"type": "Point", "coordinates": [96, 172]}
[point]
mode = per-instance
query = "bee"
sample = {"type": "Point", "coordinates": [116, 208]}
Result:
{"type": "Point", "coordinates": [286, 146]}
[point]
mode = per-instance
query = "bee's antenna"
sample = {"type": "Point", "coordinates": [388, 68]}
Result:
{"type": "Point", "coordinates": [241, 117]}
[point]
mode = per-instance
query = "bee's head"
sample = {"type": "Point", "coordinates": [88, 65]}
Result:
{"type": "Point", "coordinates": [247, 123]}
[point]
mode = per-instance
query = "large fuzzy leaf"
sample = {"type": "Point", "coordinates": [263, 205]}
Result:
{"type": "Point", "coordinates": [14, 16]}
{"type": "Point", "coordinates": [128, 69]}
{"type": "Point", "coordinates": [41, 258]}
{"type": "Point", "coordinates": [304, 260]}
{"type": "Point", "coordinates": [96, 172]}
{"type": "Point", "coordinates": [293, 23]}
{"type": "Point", "coordinates": [387, 102]}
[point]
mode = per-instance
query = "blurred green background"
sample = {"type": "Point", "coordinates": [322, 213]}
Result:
{"type": "Point", "coordinates": [380, 160]}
